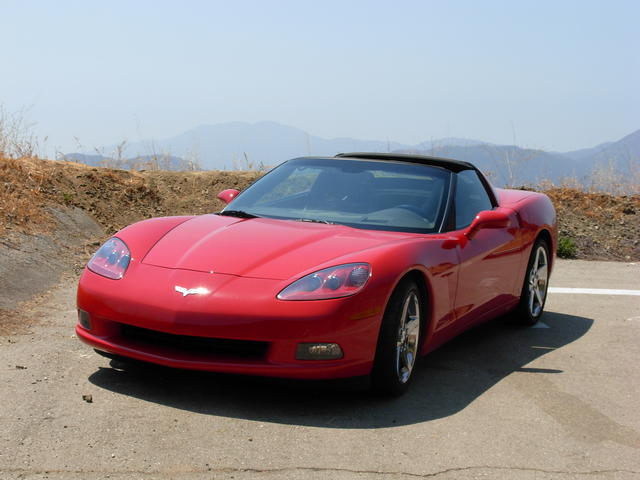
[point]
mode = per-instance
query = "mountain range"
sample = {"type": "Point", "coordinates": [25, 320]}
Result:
{"type": "Point", "coordinates": [242, 145]}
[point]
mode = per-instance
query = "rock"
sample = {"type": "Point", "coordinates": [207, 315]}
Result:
{"type": "Point", "coordinates": [87, 398]}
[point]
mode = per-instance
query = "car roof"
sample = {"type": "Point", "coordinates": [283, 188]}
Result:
{"type": "Point", "coordinates": [446, 163]}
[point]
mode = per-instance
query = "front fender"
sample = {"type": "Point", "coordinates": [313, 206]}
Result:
{"type": "Point", "coordinates": [141, 236]}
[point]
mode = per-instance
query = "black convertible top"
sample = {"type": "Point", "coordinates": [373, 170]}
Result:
{"type": "Point", "coordinates": [446, 163]}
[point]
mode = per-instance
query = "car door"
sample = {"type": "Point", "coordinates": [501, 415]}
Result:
{"type": "Point", "coordinates": [489, 259]}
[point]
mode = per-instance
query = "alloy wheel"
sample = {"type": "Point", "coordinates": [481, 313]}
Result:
{"type": "Point", "coordinates": [538, 279]}
{"type": "Point", "coordinates": [408, 335]}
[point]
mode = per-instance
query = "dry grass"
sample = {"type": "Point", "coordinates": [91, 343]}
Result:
{"type": "Point", "coordinates": [29, 185]}
{"type": "Point", "coordinates": [22, 195]}
{"type": "Point", "coordinates": [114, 198]}
{"type": "Point", "coordinates": [17, 139]}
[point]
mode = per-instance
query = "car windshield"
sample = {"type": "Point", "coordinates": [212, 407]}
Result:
{"type": "Point", "coordinates": [377, 195]}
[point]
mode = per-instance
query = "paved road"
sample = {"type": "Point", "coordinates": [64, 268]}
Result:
{"type": "Point", "coordinates": [497, 403]}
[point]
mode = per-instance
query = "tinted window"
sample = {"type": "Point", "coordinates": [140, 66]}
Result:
{"type": "Point", "coordinates": [374, 195]}
{"type": "Point", "coordinates": [471, 198]}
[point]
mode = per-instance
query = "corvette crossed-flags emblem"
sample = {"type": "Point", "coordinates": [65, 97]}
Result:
{"type": "Point", "coordinates": [191, 291]}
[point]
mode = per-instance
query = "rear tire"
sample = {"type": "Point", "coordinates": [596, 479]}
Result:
{"type": "Point", "coordinates": [399, 340]}
{"type": "Point", "coordinates": [536, 283]}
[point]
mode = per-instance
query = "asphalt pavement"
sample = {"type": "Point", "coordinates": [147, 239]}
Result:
{"type": "Point", "coordinates": [559, 401]}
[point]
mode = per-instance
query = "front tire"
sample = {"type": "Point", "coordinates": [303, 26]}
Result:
{"type": "Point", "coordinates": [399, 340]}
{"type": "Point", "coordinates": [536, 283]}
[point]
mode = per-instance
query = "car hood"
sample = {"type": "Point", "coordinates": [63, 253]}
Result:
{"type": "Point", "coordinates": [260, 247]}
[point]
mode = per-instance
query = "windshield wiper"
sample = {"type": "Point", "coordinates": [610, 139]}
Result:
{"type": "Point", "coordinates": [313, 220]}
{"type": "Point", "coordinates": [238, 213]}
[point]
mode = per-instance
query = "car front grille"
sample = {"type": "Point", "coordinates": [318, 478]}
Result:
{"type": "Point", "coordinates": [247, 349]}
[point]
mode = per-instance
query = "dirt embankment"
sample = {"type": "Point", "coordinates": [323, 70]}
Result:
{"type": "Point", "coordinates": [113, 198]}
{"type": "Point", "coordinates": [602, 226]}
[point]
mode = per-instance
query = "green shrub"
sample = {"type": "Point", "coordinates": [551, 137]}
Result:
{"type": "Point", "coordinates": [567, 248]}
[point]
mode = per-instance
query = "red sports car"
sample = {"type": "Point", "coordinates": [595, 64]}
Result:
{"type": "Point", "coordinates": [323, 268]}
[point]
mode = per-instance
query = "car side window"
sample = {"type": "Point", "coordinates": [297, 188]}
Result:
{"type": "Point", "coordinates": [471, 198]}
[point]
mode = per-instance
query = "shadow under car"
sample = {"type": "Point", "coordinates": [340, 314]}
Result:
{"type": "Point", "coordinates": [446, 381]}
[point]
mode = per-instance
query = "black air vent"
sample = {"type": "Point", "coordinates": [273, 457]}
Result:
{"type": "Point", "coordinates": [210, 346]}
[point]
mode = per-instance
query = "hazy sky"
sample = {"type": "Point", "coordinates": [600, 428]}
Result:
{"type": "Point", "coordinates": [559, 74]}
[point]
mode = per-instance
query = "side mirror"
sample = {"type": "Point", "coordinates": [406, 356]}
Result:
{"type": "Point", "coordinates": [487, 219]}
{"type": "Point", "coordinates": [227, 195]}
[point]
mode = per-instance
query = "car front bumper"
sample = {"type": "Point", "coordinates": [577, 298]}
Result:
{"type": "Point", "coordinates": [150, 321]}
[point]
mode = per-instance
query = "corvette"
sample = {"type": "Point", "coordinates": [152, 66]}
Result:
{"type": "Point", "coordinates": [327, 267]}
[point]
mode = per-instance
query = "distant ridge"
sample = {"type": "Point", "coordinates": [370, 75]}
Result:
{"type": "Point", "coordinates": [235, 144]}
{"type": "Point", "coordinates": [242, 145]}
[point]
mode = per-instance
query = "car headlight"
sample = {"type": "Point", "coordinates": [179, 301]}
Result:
{"type": "Point", "coordinates": [111, 260]}
{"type": "Point", "coordinates": [333, 282]}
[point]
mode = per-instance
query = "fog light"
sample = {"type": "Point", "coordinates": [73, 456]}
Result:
{"type": "Point", "coordinates": [84, 319]}
{"type": "Point", "coordinates": [318, 351]}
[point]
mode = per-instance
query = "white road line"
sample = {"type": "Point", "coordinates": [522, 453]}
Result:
{"type": "Point", "coordinates": [594, 291]}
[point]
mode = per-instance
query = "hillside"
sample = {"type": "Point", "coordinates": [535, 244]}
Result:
{"type": "Point", "coordinates": [113, 198]}
{"type": "Point", "coordinates": [603, 226]}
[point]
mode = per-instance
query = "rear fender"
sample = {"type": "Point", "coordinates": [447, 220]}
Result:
{"type": "Point", "coordinates": [537, 217]}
